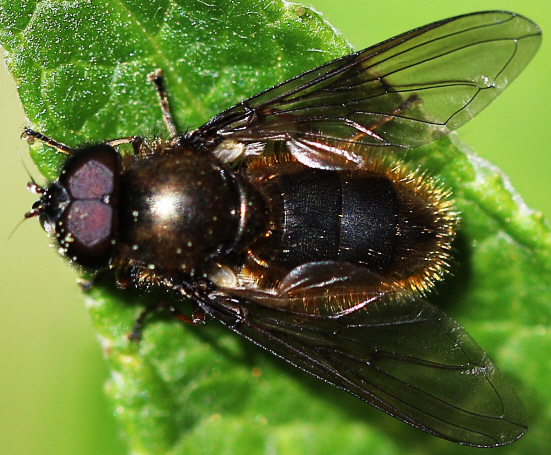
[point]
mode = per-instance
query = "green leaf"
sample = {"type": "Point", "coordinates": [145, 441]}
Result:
{"type": "Point", "coordinates": [82, 67]}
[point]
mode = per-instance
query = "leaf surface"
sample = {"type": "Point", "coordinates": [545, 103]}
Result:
{"type": "Point", "coordinates": [82, 67]}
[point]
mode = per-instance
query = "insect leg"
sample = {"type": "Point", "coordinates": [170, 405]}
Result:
{"type": "Point", "coordinates": [157, 78]}
{"type": "Point", "coordinates": [197, 317]}
{"type": "Point", "coordinates": [136, 142]}
{"type": "Point", "coordinates": [136, 334]}
{"type": "Point", "coordinates": [30, 135]}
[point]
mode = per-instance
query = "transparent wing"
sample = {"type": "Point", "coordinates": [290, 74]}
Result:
{"type": "Point", "coordinates": [408, 359]}
{"type": "Point", "coordinates": [402, 93]}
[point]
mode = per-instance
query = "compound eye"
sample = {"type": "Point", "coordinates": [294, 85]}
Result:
{"type": "Point", "coordinates": [86, 229]}
{"type": "Point", "coordinates": [89, 233]}
{"type": "Point", "coordinates": [91, 173]}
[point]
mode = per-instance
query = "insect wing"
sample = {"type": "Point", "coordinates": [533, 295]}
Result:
{"type": "Point", "coordinates": [406, 358]}
{"type": "Point", "coordinates": [402, 93]}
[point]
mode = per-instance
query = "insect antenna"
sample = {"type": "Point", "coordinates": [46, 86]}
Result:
{"type": "Point", "coordinates": [34, 188]}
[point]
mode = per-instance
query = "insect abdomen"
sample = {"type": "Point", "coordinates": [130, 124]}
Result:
{"type": "Point", "coordinates": [385, 219]}
{"type": "Point", "coordinates": [338, 216]}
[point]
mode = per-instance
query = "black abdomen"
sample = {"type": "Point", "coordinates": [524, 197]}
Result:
{"type": "Point", "coordinates": [338, 216]}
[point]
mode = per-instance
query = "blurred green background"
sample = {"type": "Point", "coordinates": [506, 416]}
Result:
{"type": "Point", "coordinates": [51, 371]}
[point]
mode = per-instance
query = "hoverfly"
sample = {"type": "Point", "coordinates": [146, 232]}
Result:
{"type": "Point", "coordinates": [283, 218]}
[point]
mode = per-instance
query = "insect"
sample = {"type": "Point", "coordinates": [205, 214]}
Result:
{"type": "Point", "coordinates": [284, 218]}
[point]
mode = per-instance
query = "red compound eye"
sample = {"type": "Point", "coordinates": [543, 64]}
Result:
{"type": "Point", "coordinates": [86, 227]}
